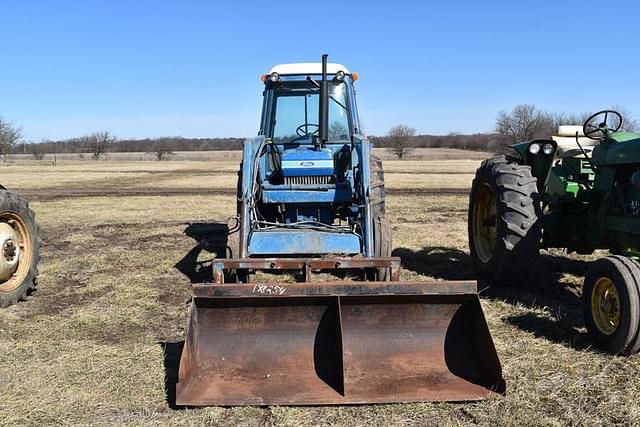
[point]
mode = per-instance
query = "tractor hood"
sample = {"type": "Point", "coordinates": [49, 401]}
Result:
{"type": "Point", "coordinates": [619, 148]}
{"type": "Point", "coordinates": [307, 161]}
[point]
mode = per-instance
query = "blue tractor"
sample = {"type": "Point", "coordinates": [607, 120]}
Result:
{"type": "Point", "coordinates": [311, 199]}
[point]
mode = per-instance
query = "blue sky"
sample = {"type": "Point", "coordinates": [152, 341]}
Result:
{"type": "Point", "coordinates": [191, 68]}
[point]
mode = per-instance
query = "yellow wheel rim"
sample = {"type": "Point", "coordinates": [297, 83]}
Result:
{"type": "Point", "coordinates": [485, 221]}
{"type": "Point", "coordinates": [605, 306]}
{"type": "Point", "coordinates": [24, 249]}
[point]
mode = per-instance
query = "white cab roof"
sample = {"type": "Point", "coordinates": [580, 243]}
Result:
{"type": "Point", "coordinates": [307, 68]}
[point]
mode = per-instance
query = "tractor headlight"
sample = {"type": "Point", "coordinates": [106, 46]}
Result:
{"type": "Point", "coordinates": [547, 149]}
{"type": "Point", "coordinates": [274, 77]}
{"type": "Point", "coordinates": [534, 148]}
{"type": "Point", "coordinates": [339, 76]}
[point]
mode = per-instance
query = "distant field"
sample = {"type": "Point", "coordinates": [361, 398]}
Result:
{"type": "Point", "coordinates": [89, 346]}
{"type": "Point", "coordinates": [383, 153]}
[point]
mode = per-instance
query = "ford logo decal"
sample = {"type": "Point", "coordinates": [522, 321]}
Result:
{"type": "Point", "coordinates": [307, 164]}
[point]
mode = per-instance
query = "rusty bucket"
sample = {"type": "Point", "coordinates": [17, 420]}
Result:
{"type": "Point", "coordinates": [337, 343]}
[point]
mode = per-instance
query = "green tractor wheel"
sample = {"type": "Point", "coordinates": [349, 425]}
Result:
{"type": "Point", "coordinates": [19, 248]}
{"type": "Point", "coordinates": [611, 302]}
{"type": "Point", "coordinates": [503, 220]}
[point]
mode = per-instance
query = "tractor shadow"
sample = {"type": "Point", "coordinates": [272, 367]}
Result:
{"type": "Point", "coordinates": [172, 351]}
{"type": "Point", "coordinates": [209, 237]}
{"type": "Point", "coordinates": [211, 240]}
{"type": "Point", "coordinates": [541, 287]}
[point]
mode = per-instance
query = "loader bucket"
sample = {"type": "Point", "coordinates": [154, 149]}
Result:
{"type": "Point", "coordinates": [337, 343]}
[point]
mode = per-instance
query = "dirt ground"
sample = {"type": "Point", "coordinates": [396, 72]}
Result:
{"type": "Point", "coordinates": [98, 342]}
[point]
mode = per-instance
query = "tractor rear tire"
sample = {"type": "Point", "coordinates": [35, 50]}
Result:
{"type": "Point", "coordinates": [19, 248]}
{"type": "Point", "coordinates": [382, 245]}
{"type": "Point", "coordinates": [504, 233]}
{"type": "Point", "coordinates": [611, 303]}
{"type": "Point", "coordinates": [634, 266]}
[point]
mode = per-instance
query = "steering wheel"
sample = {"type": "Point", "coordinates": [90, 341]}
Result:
{"type": "Point", "coordinates": [602, 123]}
{"type": "Point", "coordinates": [303, 130]}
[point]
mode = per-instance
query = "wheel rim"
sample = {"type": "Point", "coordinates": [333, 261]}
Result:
{"type": "Point", "coordinates": [605, 306]}
{"type": "Point", "coordinates": [485, 223]}
{"type": "Point", "coordinates": [15, 251]}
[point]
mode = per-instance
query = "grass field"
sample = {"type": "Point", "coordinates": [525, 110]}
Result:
{"type": "Point", "coordinates": [95, 345]}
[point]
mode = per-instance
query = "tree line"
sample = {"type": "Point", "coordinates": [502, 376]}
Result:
{"type": "Point", "coordinates": [524, 122]}
{"type": "Point", "coordinates": [98, 143]}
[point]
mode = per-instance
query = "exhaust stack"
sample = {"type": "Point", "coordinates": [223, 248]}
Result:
{"type": "Point", "coordinates": [323, 120]}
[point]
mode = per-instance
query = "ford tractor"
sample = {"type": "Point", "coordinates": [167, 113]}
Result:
{"type": "Point", "coordinates": [310, 199]}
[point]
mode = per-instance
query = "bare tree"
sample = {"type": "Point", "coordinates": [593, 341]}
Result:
{"type": "Point", "coordinates": [9, 136]}
{"type": "Point", "coordinates": [400, 140]}
{"type": "Point", "coordinates": [629, 123]}
{"type": "Point", "coordinates": [575, 119]}
{"type": "Point", "coordinates": [39, 150]}
{"type": "Point", "coordinates": [162, 148]}
{"type": "Point", "coordinates": [523, 123]}
{"type": "Point", "coordinates": [99, 142]}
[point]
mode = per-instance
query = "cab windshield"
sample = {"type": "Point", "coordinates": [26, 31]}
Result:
{"type": "Point", "coordinates": [296, 111]}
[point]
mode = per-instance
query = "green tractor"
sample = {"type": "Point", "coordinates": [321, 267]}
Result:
{"type": "Point", "coordinates": [579, 191]}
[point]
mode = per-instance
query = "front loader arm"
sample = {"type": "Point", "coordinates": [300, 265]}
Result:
{"type": "Point", "coordinates": [363, 148]}
{"type": "Point", "coordinates": [245, 196]}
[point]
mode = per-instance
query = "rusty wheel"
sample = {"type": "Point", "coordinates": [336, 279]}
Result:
{"type": "Point", "coordinates": [19, 248]}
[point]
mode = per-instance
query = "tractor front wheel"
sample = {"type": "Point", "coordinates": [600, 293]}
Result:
{"type": "Point", "coordinates": [503, 217]}
{"type": "Point", "coordinates": [19, 248]}
{"type": "Point", "coordinates": [611, 302]}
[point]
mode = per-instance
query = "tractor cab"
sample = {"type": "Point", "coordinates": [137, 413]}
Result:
{"type": "Point", "coordinates": [291, 105]}
{"type": "Point", "coordinates": [299, 154]}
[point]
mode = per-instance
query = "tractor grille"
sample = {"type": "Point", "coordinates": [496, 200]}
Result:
{"type": "Point", "coordinates": [307, 180]}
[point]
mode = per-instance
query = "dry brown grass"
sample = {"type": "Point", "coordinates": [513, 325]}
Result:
{"type": "Point", "coordinates": [100, 177]}
{"type": "Point", "coordinates": [86, 347]}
